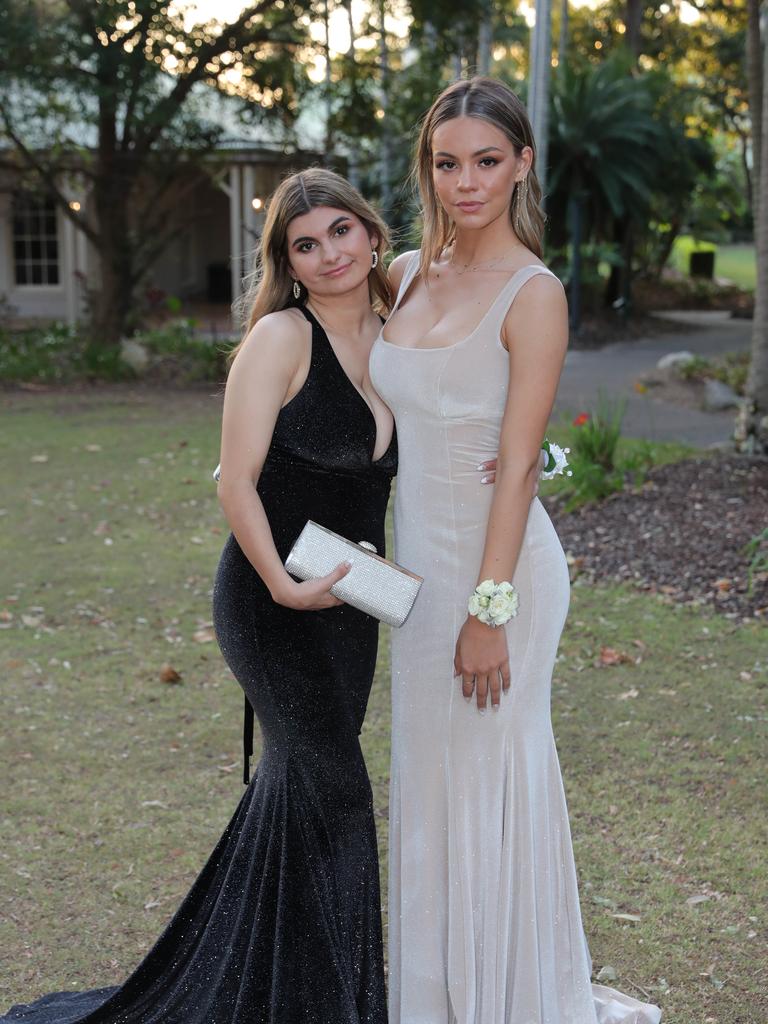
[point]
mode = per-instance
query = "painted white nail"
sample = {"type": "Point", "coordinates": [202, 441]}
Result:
{"type": "Point", "coordinates": [485, 480]}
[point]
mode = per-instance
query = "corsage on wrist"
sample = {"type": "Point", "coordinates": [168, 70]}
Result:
{"type": "Point", "coordinates": [556, 463]}
{"type": "Point", "coordinates": [493, 603]}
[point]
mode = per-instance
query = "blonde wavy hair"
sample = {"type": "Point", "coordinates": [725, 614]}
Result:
{"type": "Point", "coordinates": [495, 103]}
{"type": "Point", "coordinates": [269, 285]}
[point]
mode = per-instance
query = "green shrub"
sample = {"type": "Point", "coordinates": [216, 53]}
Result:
{"type": "Point", "coordinates": [60, 354]}
{"type": "Point", "coordinates": [190, 358]}
{"type": "Point", "coordinates": [732, 370]}
{"type": "Point", "coordinates": [696, 369]}
{"type": "Point", "coordinates": [56, 354]}
{"type": "Point", "coordinates": [598, 435]}
{"type": "Point", "coordinates": [756, 551]}
{"type": "Point", "coordinates": [602, 462]}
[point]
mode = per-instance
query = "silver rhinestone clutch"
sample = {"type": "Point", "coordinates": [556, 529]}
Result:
{"type": "Point", "coordinates": [373, 584]}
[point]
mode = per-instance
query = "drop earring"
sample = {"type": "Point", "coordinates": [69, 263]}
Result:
{"type": "Point", "coordinates": [374, 259]}
{"type": "Point", "coordinates": [521, 196]}
{"type": "Point", "coordinates": [296, 289]}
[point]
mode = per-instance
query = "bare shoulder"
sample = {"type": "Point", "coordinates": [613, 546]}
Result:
{"type": "Point", "coordinates": [280, 337]}
{"type": "Point", "coordinates": [540, 306]}
{"type": "Point", "coordinates": [541, 295]}
{"type": "Point", "coordinates": [545, 286]}
{"type": "Point", "coordinates": [397, 268]}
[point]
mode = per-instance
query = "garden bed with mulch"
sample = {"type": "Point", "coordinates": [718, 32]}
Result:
{"type": "Point", "coordinates": [683, 534]}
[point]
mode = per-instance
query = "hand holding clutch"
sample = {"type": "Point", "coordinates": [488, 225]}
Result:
{"type": "Point", "coordinates": [374, 585]}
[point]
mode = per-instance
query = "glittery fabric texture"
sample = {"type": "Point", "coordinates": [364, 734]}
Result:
{"type": "Point", "coordinates": [283, 925]}
{"type": "Point", "coordinates": [484, 921]}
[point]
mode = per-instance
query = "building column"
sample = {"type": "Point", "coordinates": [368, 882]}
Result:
{"type": "Point", "coordinates": [251, 215]}
{"type": "Point", "coordinates": [68, 269]}
{"type": "Point", "coordinates": [236, 230]}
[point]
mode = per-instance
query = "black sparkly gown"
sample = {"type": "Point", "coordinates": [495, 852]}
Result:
{"type": "Point", "coordinates": [283, 924]}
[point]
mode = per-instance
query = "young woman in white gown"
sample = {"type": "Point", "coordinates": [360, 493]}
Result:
{"type": "Point", "coordinates": [484, 920]}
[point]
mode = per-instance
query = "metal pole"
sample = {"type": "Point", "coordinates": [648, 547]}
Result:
{"type": "Point", "coordinates": [236, 230]}
{"type": "Point", "coordinates": [538, 87]}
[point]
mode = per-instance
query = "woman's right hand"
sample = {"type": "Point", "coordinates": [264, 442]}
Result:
{"type": "Point", "coordinates": [312, 595]}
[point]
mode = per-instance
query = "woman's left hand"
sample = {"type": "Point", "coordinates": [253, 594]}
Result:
{"type": "Point", "coordinates": [482, 661]}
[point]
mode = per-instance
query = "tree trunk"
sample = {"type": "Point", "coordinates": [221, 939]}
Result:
{"type": "Point", "coordinates": [576, 204]}
{"type": "Point", "coordinates": [385, 142]}
{"type": "Point", "coordinates": [484, 40]}
{"type": "Point", "coordinates": [113, 186]}
{"type": "Point", "coordinates": [562, 45]}
{"type": "Point", "coordinates": [752, 425]}
{"type": "Point", "coordinates": [632, 20]}
{"type": "Point", "coordinates": [353, 170]}
{"type": "Point", "coordinates": [112, 300]}
{"type": "Point", "coordinates": [328, 88]}
{"type": "Point", "coordinates": [755, 59]}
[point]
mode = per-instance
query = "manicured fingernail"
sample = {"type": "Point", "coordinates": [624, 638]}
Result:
{"type": "Point", "coordinates": [467, 699]}
{"type": "Point", "coordinates": [481, 710]}
{"type": "Point", "coordinates": [485, 480]}
{"type": "Point", "coordinates": [481, 467]}
{"type": "Point", "coordinates": [496, 707]}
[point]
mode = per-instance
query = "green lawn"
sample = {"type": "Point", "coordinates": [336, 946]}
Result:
{"type": "Point", "coordinates": [734, 262]}
{"type": "Point", "coordinates": [117, 784]}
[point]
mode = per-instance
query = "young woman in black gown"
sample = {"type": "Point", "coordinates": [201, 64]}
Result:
{"type": "Point", "coordinates": [283, 924]}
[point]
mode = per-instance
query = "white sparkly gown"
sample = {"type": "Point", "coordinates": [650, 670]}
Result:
{"type": "Point", "coordinates": [484, 918]}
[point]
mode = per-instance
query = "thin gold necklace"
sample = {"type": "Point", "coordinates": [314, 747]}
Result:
{"type": "Point", "coordinates": [486, 264]}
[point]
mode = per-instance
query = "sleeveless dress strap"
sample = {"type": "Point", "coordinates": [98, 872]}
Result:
{"type": "Point", "coordinates": [494, 318]}
{"type": "Point", "coordinates": [411, 271]}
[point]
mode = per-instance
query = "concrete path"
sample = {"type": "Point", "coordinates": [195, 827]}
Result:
{"type": "Point", "coordinates": [615, 368]}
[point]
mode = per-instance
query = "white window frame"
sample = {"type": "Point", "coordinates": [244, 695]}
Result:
{"type": "Point", "coordinates": [36, 206]}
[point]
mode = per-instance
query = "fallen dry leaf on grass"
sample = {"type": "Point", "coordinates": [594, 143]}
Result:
{"type": "Point", "coordinates": [168, 674]}
{"type": "Point", "coordinates": [204, 635]}
{"type": "Point", "coordinates": [610, 656]}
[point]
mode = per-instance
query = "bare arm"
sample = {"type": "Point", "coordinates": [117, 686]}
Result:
{"type": "Point", "coordinates": [266, 372]}
{"type": "Point", "coordinates": [537, 344]}
{"type": "Point", "coordinates": [536, 340]}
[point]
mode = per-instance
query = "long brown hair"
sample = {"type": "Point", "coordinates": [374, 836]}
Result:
{"type": "Point", "coordinates": [269, 286]}
{"type": "Point", "coordinates": [495, 103]}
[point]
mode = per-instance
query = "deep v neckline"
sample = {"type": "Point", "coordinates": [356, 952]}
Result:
{"type": "Point", "coordinates": [315, 324]}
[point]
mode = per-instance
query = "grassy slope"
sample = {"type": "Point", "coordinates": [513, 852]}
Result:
{"type": "Point", "coordinates": [119, 784]}
{"type": "Point", "coordinates": [734, 262]}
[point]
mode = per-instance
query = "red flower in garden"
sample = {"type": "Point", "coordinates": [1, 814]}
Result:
{"type": "Point", "coordinates": [581, 419]}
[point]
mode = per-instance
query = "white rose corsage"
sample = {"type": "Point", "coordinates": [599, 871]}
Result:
{"type": "Point", "coordinates": [493, 603]}
{"type": "Point", "coordinates": [557, 463]}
